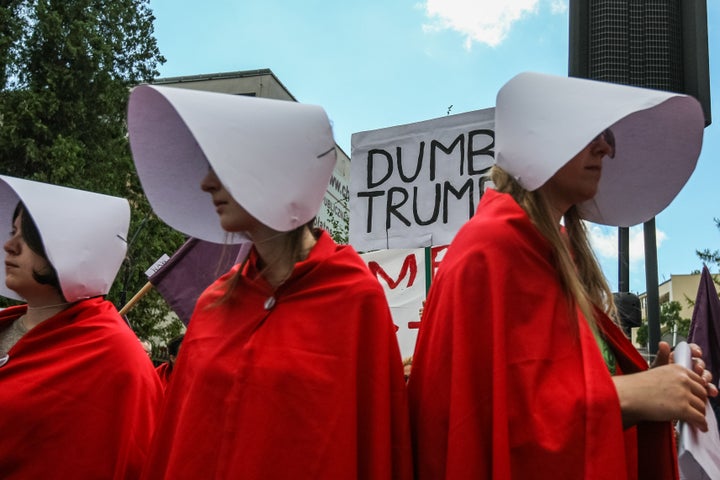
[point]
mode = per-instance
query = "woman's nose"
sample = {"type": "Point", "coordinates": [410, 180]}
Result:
{"type": "Point", "coordinates": [606, 142]}
{"type": "Point", "coordinates": [210, 182]}
{"type": "Point", "coordinates": [609, 149]}
{"type": "Point", "coordinates": [10, 246]}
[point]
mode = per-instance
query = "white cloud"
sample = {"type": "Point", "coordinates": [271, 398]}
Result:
{"type": "Point", "coordinates": [558, 7]}
{"type": "Point", "coordinates": [604, 241]}
{"type": "Point", "coordinates": [482, 21]}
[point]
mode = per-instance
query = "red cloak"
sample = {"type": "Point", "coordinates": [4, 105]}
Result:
{"type": "Point", "coordinates": [164, 370]}
{"type": "Point", "coordinates": [78, 397]}
{"type": "Point", "coordinates": [312, 388]}
{"type": "Point", "coordinates": [507, 379]}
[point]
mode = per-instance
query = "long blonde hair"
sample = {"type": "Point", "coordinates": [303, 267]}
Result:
{"type": "Point", "coordinates": [580, 275]}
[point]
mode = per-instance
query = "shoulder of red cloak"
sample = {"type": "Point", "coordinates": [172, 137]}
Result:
{"type": "Point", "coordinates": [93, 321]}
{"type": "Point", "coordinates": [95, 311]}
{"type": "Point", "coordinates": [339, 262]}
{"type": "Point", "coordinates": [98, 321]}
{"type": "Point", "coordinates": [498, 231]}
{"type": "Point", "coordinates": [217, 288]}
{"type": "Point", "coordinates": [509, 218]}
{"type": "Point", "coordinates": [9, 314]}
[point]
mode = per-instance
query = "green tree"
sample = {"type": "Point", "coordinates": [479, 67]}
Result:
{"type": "Point", "coordinates": [708, 256]}
{"type": "Point", "coordinates": [67, 68]}
{"type": "Point", "coordinates": [711, 258]}
{"type": "Point", "coordinates": [670, 320]}
{"type": "Point", "coordinates": [338, 228]}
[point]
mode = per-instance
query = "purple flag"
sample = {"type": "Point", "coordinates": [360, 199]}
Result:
{"type": "Point", "coordinates": [705, 325]}
{"type": "Point", "coordinates": [190, 270]}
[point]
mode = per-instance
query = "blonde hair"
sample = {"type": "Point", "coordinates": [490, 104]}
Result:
{"type": "Point", "coordinates": [581, 278]}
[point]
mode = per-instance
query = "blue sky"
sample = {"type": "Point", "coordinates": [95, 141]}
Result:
{"type": "Point", "coordinates": [378, 63]}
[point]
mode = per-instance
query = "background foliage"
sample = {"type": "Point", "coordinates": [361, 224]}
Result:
{"type": "Point", "coordinates": [66, 68]}
{"type": "Point", "coordinates": [670, 321]}
{"type": "Point", "coordinates": [710, 257]}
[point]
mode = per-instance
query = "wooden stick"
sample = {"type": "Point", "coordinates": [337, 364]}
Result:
{"type": "Point", "coordinates": [136, 298]}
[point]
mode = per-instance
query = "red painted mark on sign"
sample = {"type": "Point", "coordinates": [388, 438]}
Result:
{"type": "Point", "coordinates": [409, 266]}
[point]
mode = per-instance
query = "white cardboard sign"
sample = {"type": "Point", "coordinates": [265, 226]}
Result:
{"type": "Point", "coordinates": [415, 185]}
{"type": "Point", "coordinates": [403, 276]}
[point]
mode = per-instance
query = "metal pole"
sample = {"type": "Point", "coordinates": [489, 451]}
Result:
{"type": "Point", "coordinates": [651, 285]}
{"type": "Point", "coordinates": [623, 259]}
{"type": "Point", "coordinates": [428, 269]}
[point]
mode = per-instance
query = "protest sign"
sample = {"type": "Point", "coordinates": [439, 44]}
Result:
{"type": "Point", "coordinates": [415, 185]}
{"type": "Point", "coordinates": [403, 275]}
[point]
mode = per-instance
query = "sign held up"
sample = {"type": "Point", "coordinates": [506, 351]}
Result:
{"type": "Point", "coordinates": [403, 275]}
{"type": "Point", "coordinates": [415, 185]}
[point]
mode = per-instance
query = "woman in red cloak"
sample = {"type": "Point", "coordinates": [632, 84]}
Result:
{"type": "Point", "coordinates": [78, 394]}
{"type": "Point", "coordinates": [290, 367]}
{"type": "Point", "coordinates": [519, 371]}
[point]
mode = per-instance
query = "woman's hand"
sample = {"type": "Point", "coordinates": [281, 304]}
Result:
{"type": "Point", "coordinates": [665, 357]}
{"type": "Point", "coordinates": [664, 393]}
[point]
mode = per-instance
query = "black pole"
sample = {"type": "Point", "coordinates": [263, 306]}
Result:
{"type": "Point", "coordinates": [623, 259]}
{"type": "Point", "coordinates": [651, 285]}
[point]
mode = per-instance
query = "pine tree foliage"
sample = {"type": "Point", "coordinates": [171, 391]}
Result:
{"type": "Point", "coordinates": [66, 68]}
{"type": "Point", "coordinates": [711, 258]}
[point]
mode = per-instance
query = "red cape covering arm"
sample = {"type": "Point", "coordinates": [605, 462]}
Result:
{"type": "Point", "coordinates": [78, 397]}
{"type": "Point", "coordinates": [506, 382]}
{"type": "Point", "coordinates": [311, 389]}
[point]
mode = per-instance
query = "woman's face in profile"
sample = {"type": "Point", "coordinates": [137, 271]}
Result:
{"type": "Point", "coordinates": [21, 262]}
{"type": "Point", "coordinates": [233, 217]}
{"type": "Point", "coordinates": [578, 180]}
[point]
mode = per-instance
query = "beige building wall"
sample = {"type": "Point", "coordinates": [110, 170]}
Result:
{"type": "Point", "coordinates": [334, 213]}
{"type": "Point", "coordinates": [680, 288]}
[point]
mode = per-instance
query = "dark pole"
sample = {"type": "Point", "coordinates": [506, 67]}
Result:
{"type": "Point", "coordinates": [651, 283]}
{"type": "Point", "coordinates": [623, 259]}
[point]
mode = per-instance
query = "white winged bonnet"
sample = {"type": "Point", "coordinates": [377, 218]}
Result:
{"type": "Point", "coordinates": [274, 157]}
{"type": "Point", "coordinates": [543, 121]}
{"type": "Point", "coordinates": [84, 233]}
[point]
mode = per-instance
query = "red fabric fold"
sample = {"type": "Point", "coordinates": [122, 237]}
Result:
{"type": "Point", "coordinates": [163, 372]}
